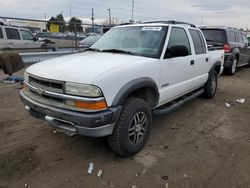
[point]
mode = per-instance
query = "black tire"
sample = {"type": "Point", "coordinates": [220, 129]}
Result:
{"type": "Point", "coordinates": [120, 142]}
{"type": "Point", "coordinates": [248, 63]}
{"type": "Point", "coordinates": [232, 69]}
{"type": "Point", "coordinates": [211, 85]}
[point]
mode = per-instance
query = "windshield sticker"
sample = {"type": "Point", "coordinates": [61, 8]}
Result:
{"type": "Point", "coordinates": [151, 28]}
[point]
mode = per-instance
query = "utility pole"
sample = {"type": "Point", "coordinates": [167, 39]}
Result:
{"type": "Point", "coordinates": [70, 11]}
{"type": "Point", "coordinates": [133, 4]}
{"type": "Point", "coordinates": [109, 16]}
{"type": "Point", "coordinates": [45, 16]}
{"type": "Point", "coordinates": [92, 18]}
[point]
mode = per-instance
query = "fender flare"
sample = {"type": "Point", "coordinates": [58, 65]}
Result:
{"type": "Point", "coordinates": [133, 86]}
{"type": "Point", "coordinates": [217, 63]}
{"type": "Point", "coordinates": [235, 51]}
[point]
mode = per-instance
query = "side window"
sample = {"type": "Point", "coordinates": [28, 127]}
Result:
{"type": "Point", "coordinates": [231, 36]}
{"type": "Point", "coordinates": [27, 35]}
{"type": "Point", "coordinates": [12, 33]}
{"type": "Point", "coordinates": [198, 42]}
{"type": "Point", "coordinates": [178, 36]}
{"type": "Point", "coordinates": [1, 33]}
{"type": "Point", "coordinates": [240, 37]}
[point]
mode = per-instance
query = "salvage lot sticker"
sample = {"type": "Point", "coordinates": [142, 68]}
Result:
{"type": "Point", "coordinates": [151, 28]}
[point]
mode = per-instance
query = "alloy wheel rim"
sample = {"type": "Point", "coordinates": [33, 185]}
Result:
{"type": "Point", "coordinates": [214, 84]}
{"type": "Point", "coordinates": [137, 128]}
{"type": "Point", "coordinates": [234, 66]}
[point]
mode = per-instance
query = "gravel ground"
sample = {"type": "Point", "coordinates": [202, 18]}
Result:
{"type": "Point", "coordinates": [202, 144]}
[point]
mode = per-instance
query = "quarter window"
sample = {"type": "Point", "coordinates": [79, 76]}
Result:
{"type": "Point", "coordinates": [1, 33]}
{"type": "Point", "coordinates": [12, 33]}
{"type": "Point", "coordinates": [199, 45]}
{"type": "Point", "coordinates": [27, 35]}
{"type": "Point", "coordinates": [178, 36]}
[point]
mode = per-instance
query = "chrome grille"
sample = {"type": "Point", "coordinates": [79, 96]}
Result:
{"type": "Point", "coordinates": [48, 85]}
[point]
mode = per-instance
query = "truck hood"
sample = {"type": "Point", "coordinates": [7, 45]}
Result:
{"type": "Point", "coordinates": [80, 68]}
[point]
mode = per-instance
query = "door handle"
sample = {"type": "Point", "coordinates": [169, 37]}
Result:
{"type": "Point", "coordinates": [192, 62]}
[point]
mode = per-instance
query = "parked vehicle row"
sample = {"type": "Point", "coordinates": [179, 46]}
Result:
{"type": "Point", "coordinates": [130, 73]}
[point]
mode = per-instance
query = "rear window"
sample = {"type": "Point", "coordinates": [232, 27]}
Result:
{"type": "Point", "coordinates": [12, 33]}
{"type": "Point", "coordinates": [198, 42]}
{"type": "Point", "coordinates": [215, 36]}
{"type": "Point", "coordinates": [1, 33]}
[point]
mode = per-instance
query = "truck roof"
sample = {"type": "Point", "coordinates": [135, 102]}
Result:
{"type": "Point", "coordinates": [159, 23]}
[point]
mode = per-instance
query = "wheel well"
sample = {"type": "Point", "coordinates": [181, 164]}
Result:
{"type": "Point", "coordinates": [217, 69]}
{"type": "Point", "coordinates": [146, 93]}
{"type": "Point", "coordinates": [237, 56]}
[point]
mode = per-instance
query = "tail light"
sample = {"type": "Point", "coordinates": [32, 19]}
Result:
{"type": "Point", "coordinates": [227, 48]}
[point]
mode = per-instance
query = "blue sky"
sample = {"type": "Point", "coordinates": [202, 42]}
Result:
{"type": "Point", "coordinates": [223, 12]}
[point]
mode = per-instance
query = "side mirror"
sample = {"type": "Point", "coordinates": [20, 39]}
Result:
{"type": "Point", "coordinates": [35, 39]}
{"type": "Point", "coordinates": [177, 51]}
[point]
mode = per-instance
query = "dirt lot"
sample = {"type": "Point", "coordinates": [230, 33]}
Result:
{"type": "Point", "coordinates": [202, 144]}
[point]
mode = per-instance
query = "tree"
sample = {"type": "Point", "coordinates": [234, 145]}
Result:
{"type": "Point", "coordinates": [75, 22]}
{"type": "Point", "coordinates": [59, 20]}
{"type": "Point", "coordinates": [62, 23]}
{"type": "Point", "coordinates": [51, 21]}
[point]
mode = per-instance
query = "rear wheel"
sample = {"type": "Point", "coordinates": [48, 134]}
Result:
{"type": "Point", "coordinates": [211, 85]}
{"type": "Point", "coordinates": [133, 128]}
{"type": "Point", "coordinates": [232, 69]}
{"type": "Point", "coordinates": [248, 63]}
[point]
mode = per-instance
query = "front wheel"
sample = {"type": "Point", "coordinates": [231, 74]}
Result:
{"type": "Point", "coordinates": [211, 85]}
{"type": "Point", "coordinates": [133, 128]}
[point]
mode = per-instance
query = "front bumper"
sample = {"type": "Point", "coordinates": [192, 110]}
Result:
{"type": "Point", "coordinates": [96, 124]}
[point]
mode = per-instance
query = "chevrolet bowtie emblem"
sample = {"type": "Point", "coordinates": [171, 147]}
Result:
{"type": "Point", "coordinates": [40, 91]}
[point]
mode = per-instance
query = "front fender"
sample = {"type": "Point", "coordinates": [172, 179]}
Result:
{"type": "Point", "coordinates": [133, 86]}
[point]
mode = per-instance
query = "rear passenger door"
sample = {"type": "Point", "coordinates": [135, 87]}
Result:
{"type": "Point", "coordinates": [201, 58]}
{"type": "Point", "coordinates": [247, 48]}
{"type": "Point", "coordinates": [244, 57]}
{"type": "Point", "coordinates": [13, 38]}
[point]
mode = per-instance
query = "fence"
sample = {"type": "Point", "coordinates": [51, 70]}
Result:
{"type": "Point", "coordinates": [53, 34]}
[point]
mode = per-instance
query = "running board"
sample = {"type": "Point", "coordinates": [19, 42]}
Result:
{"type": "Point", "coordinates": [242, 65]}
{"type": "Point", "coordinates": [172, 107]}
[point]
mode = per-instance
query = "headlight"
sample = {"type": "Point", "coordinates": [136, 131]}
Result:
{"type": "Point", "coordinates": [82, 90]}
{"type": "Point", "coordinates": [26, 77]}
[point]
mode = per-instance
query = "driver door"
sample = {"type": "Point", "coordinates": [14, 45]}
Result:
{"type": "Point", "coordinates": [177, 76]}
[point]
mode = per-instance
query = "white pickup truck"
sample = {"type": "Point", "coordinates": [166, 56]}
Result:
{"type": "Point", "coordinates": [113, 88]}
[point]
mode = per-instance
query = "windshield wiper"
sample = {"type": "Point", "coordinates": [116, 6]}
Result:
{"type": "Point", "coordinates": [118, 51]}
{"type": "Point", "coordinates": [93, 49]}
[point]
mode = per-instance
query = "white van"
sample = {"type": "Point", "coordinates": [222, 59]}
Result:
{"type": "Point", "coordinates": [17, 38]}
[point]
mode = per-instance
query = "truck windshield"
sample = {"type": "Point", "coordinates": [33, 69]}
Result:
{"type": "Point", "coordinates": [144, 41]}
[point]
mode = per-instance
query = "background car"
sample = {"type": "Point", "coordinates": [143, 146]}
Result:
{"type": "Point", "coordinates": [234, 43]}
{"type": "Point", "coordinates": [17, 38]}
{"type": "Point", "coordinates": [87, 42]}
